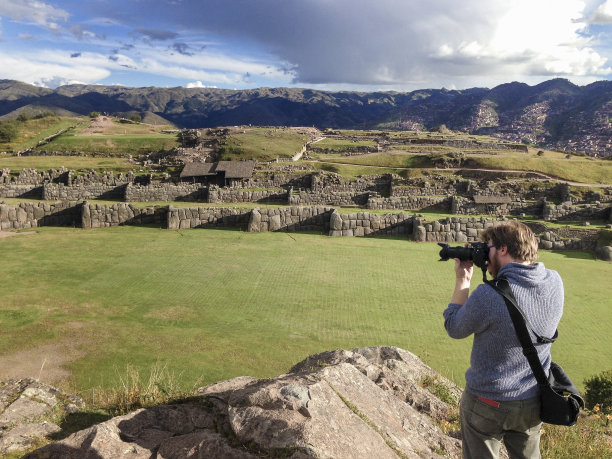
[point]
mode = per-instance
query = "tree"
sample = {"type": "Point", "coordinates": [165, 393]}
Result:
{"type": "Point", "coordinates": [8, 131]}
{"type": "Point", "coordinates": [94, 114]}
{"type": "Point", "coordinates": [136, 118]}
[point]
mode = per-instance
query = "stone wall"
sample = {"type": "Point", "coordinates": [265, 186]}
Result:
{"type": "Point", "coordinates": [100, 216]}
{"type": "Point", "coordinates": [468, 229]}
{"type": "Point", "coordinates": [290, 219]}
{"type": "Point", "coordinates": [516, 206]}
{"type": "Point", "coordinates": [107, 178]}
{"type": "Point", "coordinates": [411, 203]}
{"type": "Point", "coordinates": [326, 220]}
{"type": "Point", "coordinates": [34, 178]}
{"type": "Point", "coordinates": [330, 198]}
{"type": "Point", "coordinates": [368, 224]}
{"type": "Point", "coordinates": [15, 190]}
{"type": "Point", "coordinates": [568, 239]}
{"type": "Point", "coordinates": [217, 195]}
{"type": "Point", "coordinates": [32, 215]}
{"type": "Point", "coordinates": [207, 217]}
{"type": "Point", "coordinates": [274, 180]}
{"type": "Point", "coordinates": [410, 191]}
{"type": "Point", "coordinates": [165, 192]}
{"type": "Point", "coordinates": [54, 192]}
{"type": "Point", "coordinates": [452, 229]}
{"type": "Point", "coordinates": [331, 182]}
{"type": "Point", "coordinates": [576, 212]}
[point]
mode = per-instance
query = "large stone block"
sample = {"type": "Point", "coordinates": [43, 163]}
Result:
{"type": "Point", "coordinates": [275, 223]}
{"type": "Point", "coordinates": [419, 234]}
{"type": "Point", "coordinates": [460, 237]}
{"type": "Point", "coordinates": [254, 221]}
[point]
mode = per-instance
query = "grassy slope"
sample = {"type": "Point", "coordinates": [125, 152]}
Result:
{"type": "Point", "coordinates": [217, 304]}
{"type": "Point", "coordinates": [262, 144]}
{"type": "Point", "coordinates": [32, 131]}
{"type": "Point", "coordinates": [579, 169]}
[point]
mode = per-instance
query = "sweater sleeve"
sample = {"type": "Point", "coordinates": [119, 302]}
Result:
{"type": "Point", "coordinates": [473, 317]}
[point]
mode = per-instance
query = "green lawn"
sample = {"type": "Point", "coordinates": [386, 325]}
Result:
{"type": "Point", "coordinates": [215, 304]}
{"type": "Point", "coordinates": [83, 163]}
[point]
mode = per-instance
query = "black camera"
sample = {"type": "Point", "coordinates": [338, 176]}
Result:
{"type": "Point", "coordinates": [478, 253]}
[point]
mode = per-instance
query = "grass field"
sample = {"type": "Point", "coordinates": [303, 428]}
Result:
{"type": "Point", "coordinates": [215, 304]}
{"type": "Point", "coordinates": [344, 144]}
{"type": "Point", "coordinates": [114, 145]}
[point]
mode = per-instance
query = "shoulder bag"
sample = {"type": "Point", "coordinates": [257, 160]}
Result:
{"type": "Point", "coordinates": [560, 400]}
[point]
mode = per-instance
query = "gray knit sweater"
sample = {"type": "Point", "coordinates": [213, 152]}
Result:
{"type": "Point", "coordinates": [498, 369]}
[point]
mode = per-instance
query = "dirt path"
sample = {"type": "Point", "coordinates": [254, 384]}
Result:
{"type": "Point", "coordinates": [44, 362]}
{"type": "Point", "coordinates": [4, 234]}
{"type": "Point", "coordinates": [97, 126]}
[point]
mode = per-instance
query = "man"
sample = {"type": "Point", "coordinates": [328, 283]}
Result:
{"type": "Point", "coordinates": [501, 400]}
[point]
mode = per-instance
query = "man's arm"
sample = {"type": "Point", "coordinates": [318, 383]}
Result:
{"type": "Point", "coordinates": [461, 320]}
{"type": "Point", "coordinates": [463, 278]}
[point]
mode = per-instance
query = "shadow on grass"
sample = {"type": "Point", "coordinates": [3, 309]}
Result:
{"type": "Point", "coordinates": [576, 254]}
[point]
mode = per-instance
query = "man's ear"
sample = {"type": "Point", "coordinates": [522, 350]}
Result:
{"type": "Point", "coordinates": [502, 250]}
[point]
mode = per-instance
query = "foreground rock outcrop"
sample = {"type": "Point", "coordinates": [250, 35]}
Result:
{"type": "Point", "coordinates": [367, 402]}
{"type": "Point", "coordinates": [26, 407]}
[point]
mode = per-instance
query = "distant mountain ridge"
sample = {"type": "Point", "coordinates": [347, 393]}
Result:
{"type": "Point", "coordinates": [552, 114]}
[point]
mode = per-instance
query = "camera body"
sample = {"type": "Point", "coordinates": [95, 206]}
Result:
{"type": "Point", "coordinates": [478, 253]}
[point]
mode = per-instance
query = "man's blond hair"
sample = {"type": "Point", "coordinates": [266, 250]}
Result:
{"type": "Point", "coordinates": [520, 240]}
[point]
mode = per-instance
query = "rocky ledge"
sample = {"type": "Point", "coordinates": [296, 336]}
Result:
{"type": "Point", "coordinates": [363, 403]}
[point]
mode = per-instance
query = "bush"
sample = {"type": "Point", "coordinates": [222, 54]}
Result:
{"type": "Point", "coordinates": [94, 114]}
{"type": "Point", "coordinates": [136, 118]}
{"type": "Point", "coordinates": [598, 391]}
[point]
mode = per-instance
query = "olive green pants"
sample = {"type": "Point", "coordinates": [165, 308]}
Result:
{"type": "Point", "coordinates": [484, 425]}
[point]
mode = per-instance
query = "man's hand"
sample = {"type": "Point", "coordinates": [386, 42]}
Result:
{"type": "Point", "coordinates": [463, 272]}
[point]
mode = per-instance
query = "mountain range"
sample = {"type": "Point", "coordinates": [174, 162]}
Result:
{"type": "Point", "coordinates": [553, 114]}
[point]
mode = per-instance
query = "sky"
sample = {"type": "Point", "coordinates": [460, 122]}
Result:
{"type": "Point", "coordinates": [362, 45]}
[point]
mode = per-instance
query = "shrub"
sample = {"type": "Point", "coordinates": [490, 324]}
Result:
{"type": "Point", "coordinates": [136, 118]}
{"type": "Point", "coordinates": [94, 114]}
{"type": "Point", "coordinates": [598, 391]}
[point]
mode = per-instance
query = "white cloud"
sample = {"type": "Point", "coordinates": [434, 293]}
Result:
{"type": "Point", "coordinates": [34, 11]}
{"type": "Point", "coordinates": [603, 14]}
{"type": "Point", "coordinates": [43, 70]}
{"type": "Point", "coordinates": [197, 84]}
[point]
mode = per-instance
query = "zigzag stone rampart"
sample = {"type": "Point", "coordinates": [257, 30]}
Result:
{"type": "Point", "coordinates": [323, 219]}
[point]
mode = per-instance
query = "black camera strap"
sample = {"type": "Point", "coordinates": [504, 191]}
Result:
{"type": "Point", "coordinates": [519, 320]}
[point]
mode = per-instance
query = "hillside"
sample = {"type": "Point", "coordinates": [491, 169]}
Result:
{"type": "Point", "coordinates": [553, 114]}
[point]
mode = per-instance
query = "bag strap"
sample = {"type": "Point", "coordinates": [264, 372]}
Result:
{"type": "Point", "coordinates": [518, 319]}
{"type": "Point", "coordinates": [502, 285]}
